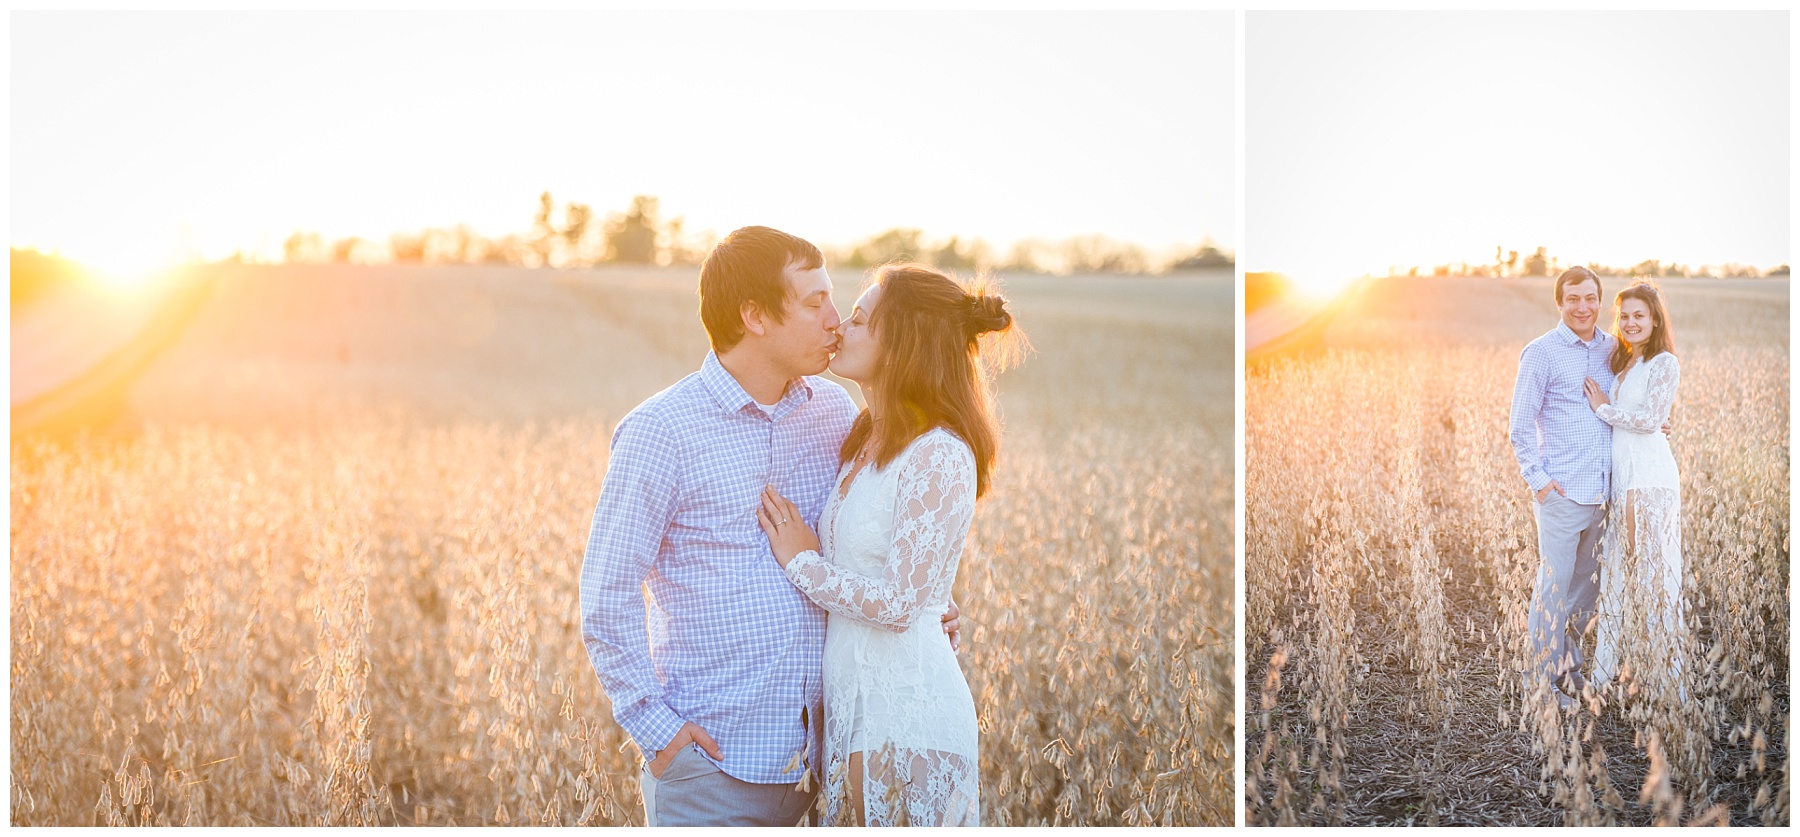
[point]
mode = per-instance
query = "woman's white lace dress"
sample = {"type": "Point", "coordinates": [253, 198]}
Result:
{"type": "Point", "coordinates": [892, 539]}
{"type": "Point", "coordinates": [1640, 627]}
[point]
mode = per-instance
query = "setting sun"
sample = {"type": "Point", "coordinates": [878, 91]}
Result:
{"type": "Point", "coordinates": [126, 280]}
{"type": "Point", "coordinates": [1320, 286]}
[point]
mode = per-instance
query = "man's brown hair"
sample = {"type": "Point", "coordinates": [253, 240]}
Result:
{"type": "Point", "coordinates": [1575, 276]}
{"type": "Point", "coordinates": [747, 266]}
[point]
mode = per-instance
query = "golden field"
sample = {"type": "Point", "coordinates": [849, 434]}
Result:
{"type": "Point", "coordinates": [323, 569]}
{"type": "Point", "coordinates": [1390, 548]}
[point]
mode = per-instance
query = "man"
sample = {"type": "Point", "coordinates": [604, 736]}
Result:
{"type": "Point", "coordinates": [710, 656]}
{"type": "Point", "coordinates": [1565, 455]}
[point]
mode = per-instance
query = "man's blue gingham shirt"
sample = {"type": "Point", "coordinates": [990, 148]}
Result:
{"type": "Point", "coordinates": [685, 613]}
{"type": "Point", "coordinates": [1555, 433]}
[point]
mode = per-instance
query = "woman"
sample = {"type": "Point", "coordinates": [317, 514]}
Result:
{"type": "Point", "coordinates": [900, 742]}
{"type": "Point", "coordinates": [1640, 625]}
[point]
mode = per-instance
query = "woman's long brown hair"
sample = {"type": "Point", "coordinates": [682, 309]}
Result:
{"type": "Point", "coordinates": [939, 344]}
{"type": "Point", "coordinates": [1662, 335]}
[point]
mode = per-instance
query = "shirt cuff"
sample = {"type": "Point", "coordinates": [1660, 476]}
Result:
{"type": "Point", "coordinates": [1537, 479]}
{"type": "Point", "coordinates": [652, 724]}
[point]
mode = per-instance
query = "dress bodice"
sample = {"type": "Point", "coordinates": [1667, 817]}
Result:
{"type": "Point", "coordinates": [1642, 401]}
{"type": "Point", "coordinates": [892, 538]}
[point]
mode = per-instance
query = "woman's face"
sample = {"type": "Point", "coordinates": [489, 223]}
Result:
{"type": "Point", "coordinates": [1635, 324]}
{"type": "Point", "coordinates": [858, 355]}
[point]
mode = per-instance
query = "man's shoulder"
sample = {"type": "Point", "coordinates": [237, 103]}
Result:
{"type": "Point", "coordinates": [1543, 342]}
{"type": "Point", "coordinates": [667, 410]}
{"type": "Point", "coordinates": [676, 395]}
{"type": "Point", "coordinates": [1543, 348]}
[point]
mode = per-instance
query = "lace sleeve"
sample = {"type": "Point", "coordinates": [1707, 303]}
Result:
{"type": "Point", "coordinates": [1659, 399]}
{"type": "Point", "coordinates": [933, 509]}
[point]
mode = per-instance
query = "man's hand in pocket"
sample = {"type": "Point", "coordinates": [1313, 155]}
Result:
{"type": "Point", "coordinates": [690, 733]}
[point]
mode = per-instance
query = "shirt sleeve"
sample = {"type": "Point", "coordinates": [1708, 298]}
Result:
{"type": "Point", "coordinates": [637, 501]}
{"type": "Point", "coordinates": [1529, 390]}
{"type": "Point", "coordinates": [1659, 400]}
{"type": "Point", "coordinates": [933, 509]}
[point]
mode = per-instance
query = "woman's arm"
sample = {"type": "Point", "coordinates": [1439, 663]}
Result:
{"type": "Point", "coordinates": [933, 510]}
{"type": "Point", "coordinates": [1664, 376]}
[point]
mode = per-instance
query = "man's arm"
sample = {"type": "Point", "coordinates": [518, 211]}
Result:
{"type": "Point", "coordinates": [636, 503]}
{"type": "Point", "coordinates": [1529, 389]}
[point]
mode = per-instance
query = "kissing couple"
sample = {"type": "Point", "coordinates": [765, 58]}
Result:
{"type": "Point", "coordinates": [1590, 425]}
{"type": "Point", "coordinates": [767, 563]}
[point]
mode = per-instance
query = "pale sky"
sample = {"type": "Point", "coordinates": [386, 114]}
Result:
{"type": "Point", "coordinates": [1377, 139]}
{"type": "Point", "coordinates": [138, 136]}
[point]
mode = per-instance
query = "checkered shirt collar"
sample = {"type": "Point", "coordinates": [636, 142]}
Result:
{"type": "Point", "coordinates": [1569, 337]}
{"type": "Point", "coordinates": [731, 396]}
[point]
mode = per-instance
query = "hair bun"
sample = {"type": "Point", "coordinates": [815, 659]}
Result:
{"type": "Point", "coordinates": [986, 313]}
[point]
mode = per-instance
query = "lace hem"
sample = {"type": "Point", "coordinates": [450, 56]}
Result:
{"type": "Point", "coordinates": [902, 786]}
{"type": "Point", "coordinates": [1641, 636]}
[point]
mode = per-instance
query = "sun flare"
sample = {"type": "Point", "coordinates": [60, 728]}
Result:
{"type": "Point", "coordinates": [1320, 286]}
{"type": "Point", "coordinates": [128, 281]}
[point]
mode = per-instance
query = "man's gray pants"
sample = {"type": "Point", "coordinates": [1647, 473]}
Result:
{"type": "Point", "coordinates": [694, 791]}
{"type": "Point", "coordinates": [1567, 584]}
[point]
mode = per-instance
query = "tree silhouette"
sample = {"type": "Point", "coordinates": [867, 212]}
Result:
{"type": "Point", "coordinates": [1537, 264]}
{"type": "Point", "coordinates": [631, 237]}
{"type": "Point", "coordinates": [682, 250]}
{"type": "Point", "coordinates": [1099, 254]}
{"type": "Point", "coordinates": [543, 233]}
{"type": "Point", "coordinates": [577, 219]}
{"type": "Point", "coordinates": [895, 245]}
{"type": "Point", "coordinates": [955, 255]}
{"type": "Point", "coordinates": [1027, 256]}
{"type": "Point", "coordinates": [508, 249]}
{"type": "Point", "coordinates": [348, 250]}
{"type": "Point", "coordinates": [305, 248]}
{"type": "Point", "coordinates": [407, 249]}
{"type": "Point", "coordinates": [1209, 255]}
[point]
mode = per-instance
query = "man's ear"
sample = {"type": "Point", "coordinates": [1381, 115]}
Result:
{"type": "Point", "coordinates": [754, 320]}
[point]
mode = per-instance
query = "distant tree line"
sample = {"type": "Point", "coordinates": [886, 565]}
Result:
{"type": "Point", "coordinates": [567, 236]}
{"type": "Point", "coordinates": [570, 235]}
{"type": "Point", "coordinates": [1507, 263]}
{"type": "Point", "coordinates": [1077, 254]}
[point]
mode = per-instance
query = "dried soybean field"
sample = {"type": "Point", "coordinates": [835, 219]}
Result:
{"type": "Point", "coordinates": [1389, 554]}
{"type": "Point", "coordinates": [323, 570]}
